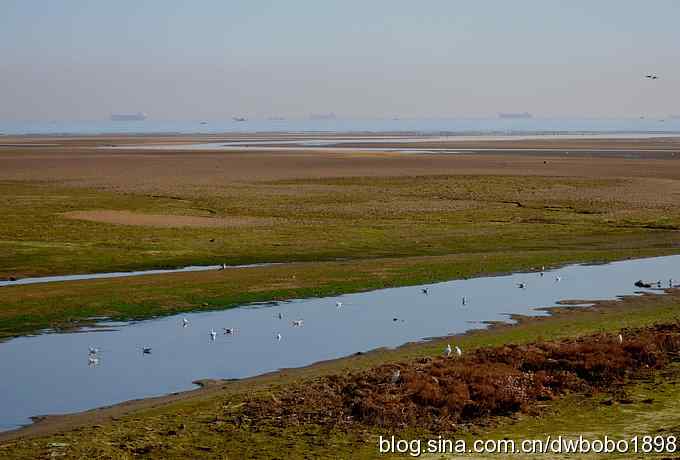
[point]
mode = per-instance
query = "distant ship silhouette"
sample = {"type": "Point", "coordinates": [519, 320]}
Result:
{"type": "Point", "coordinates": [515, 115]}
{"type": "Point", "coordinates": [138, 116]}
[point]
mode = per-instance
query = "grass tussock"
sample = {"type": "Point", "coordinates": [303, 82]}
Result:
{"type": "Point", "coordinates": [441, 393]}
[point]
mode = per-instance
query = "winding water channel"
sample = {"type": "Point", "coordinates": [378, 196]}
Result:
{"type": "Point", "coordinates": [50, 373]}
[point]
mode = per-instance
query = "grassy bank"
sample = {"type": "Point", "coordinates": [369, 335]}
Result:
{"type": "Point", "coordinates": [27, 309]}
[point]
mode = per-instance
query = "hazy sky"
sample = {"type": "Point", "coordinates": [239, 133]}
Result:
{"type": "Point", "coordinates": [211, 59]}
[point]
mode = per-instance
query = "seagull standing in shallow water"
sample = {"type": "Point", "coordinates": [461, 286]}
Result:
{"type": "Point", "coordinates": [338, 304]}
{"type": "Point", "coordinates": [213, 334]}
{"type": "Point", "coordinates": [278, 336]}
{"type": "Point", "coordinates": [185, 322]}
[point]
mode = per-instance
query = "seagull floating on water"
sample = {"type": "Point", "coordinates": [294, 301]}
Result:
{"type": "Point", "coordinates": [92, 361]}
{"type": "Point", "coordinates": [229, 330]}
{"type": "Point", "coordinates": [280, 315]}
{"type": "Point", "coordinates": [558, 279]}
{"type": "Point", "coordinates": [297, 323]}
{"type": "Point", "coordinates": [185, 322]}
{"type": "Point", "coordinates": [278, 336]}
{"type": "Point", "coordinates": [94, 351]}
{"type": "Point", "coordinates": [425, 291]}
{"type": "Point", "coordinates": [213, 334]}
{"type": "Point", "coordinates": [521, 285]}
{"type": "Point", "coordinates": [338, 304]}
{"type": "Point", "coordinates": [146, 350]}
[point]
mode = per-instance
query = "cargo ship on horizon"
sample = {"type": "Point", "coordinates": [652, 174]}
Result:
{"type": "Point", "coordinates": [137, 116]}
{"type": "Point", "coordinates": [515, 115]}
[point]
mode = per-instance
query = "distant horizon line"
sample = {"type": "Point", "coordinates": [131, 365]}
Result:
{"type": "Point", "coordinates": [272, 118]}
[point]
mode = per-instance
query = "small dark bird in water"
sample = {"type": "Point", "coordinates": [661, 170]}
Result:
{"type": "Point", "coordinates": [425, 291]}
{"type": "Point", "coordinates": [146, 350]}
{"type": "Point", "coordinates": [652, 76]}
{"type": "Point", "coordinates": [642, 284]}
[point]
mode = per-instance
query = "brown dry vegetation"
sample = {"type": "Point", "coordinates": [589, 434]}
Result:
{"type": "Point", "coordinates": [438, 394]}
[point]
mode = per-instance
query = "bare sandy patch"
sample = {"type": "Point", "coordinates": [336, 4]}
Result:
{"type": "Point", "coordinates": [165, 220]}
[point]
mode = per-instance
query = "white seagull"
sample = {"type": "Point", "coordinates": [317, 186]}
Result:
{"type": "Point", "coordinates": [92, 361]}
{"type": "Point", "coordinates": [448, 350]}
{"type": "Point", "coordinates": [278, 336]}
{"type": "Point", "coordinates": [459, 352]}
{"type": "Point", "coordinates": [395, 376]}
{"type": "Point", "coordinates": [213, 334]}
{"type": "Point", "coordinates": [297, 323]}
{"type": "Point", "coordinates": [619, 338]}
{"type": "Point", "coordinates": [94, 351]}
{"type": "Point", "coordinates": [338, 304]}
{"type": "Point", "coordinates": [558, 279]}
{"type": "Point", "coordinates": [185, 322]}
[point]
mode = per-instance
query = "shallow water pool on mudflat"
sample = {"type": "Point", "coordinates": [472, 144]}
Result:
{"type": "Point", "coordinates": [50, 373]}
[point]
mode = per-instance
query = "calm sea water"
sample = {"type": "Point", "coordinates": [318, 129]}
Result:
{"type": "Point", "coordinates": [426, 126]}
{"type": "Point", "coordinates": [50, 373]}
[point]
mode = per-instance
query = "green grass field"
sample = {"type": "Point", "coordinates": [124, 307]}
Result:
{"type": "Point", "coordinates": [337, 235]}
{"type": "Point", "coordinates": [334, 236]}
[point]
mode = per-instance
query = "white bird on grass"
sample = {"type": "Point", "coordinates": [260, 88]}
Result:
{"type": "Point", "coordinates": [459, 352]}
{"type": "Point", "coordinates": [396, 375]}
{"type": "Point", "coordinates": [619, 338]}
{"type": "Point", "coordinates": [448, 350]}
